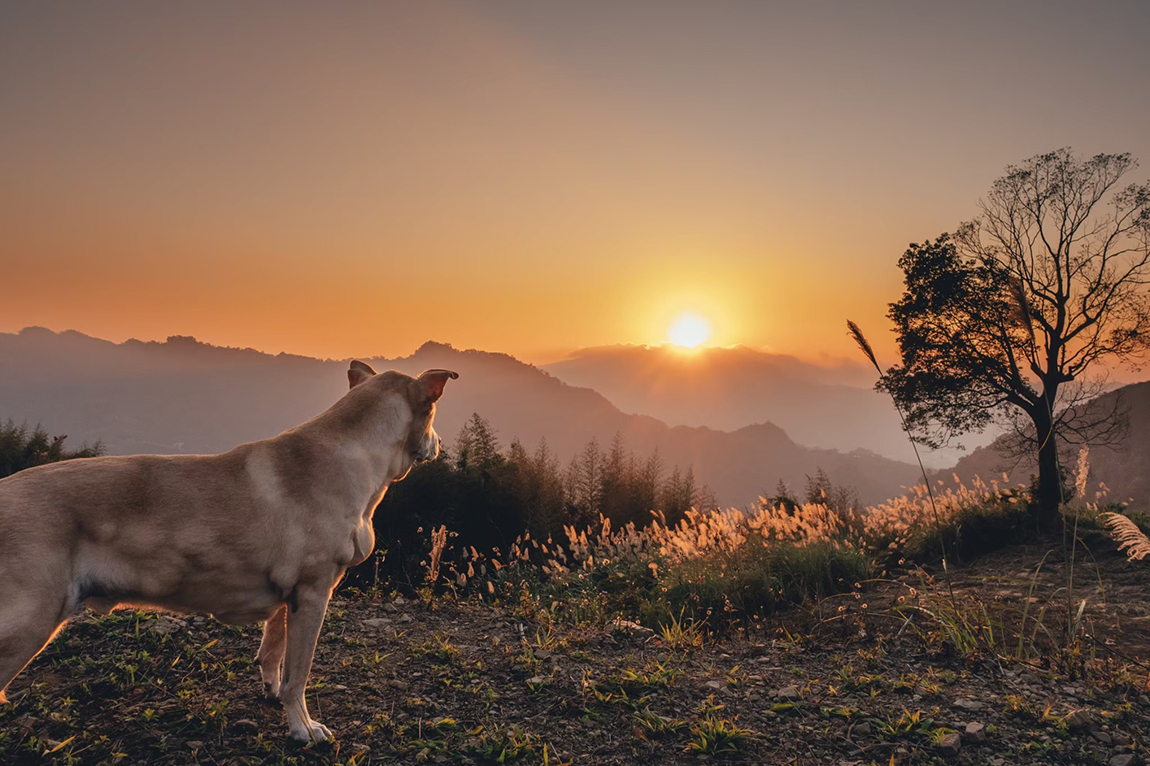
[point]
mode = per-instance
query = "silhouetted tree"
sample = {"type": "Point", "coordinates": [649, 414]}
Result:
{"type": "Point", "coordinates": [783, 498]}
{"type": "Point", "coordinates": [587, 479]}
{"type": "Point", "coordinates": [477, 444]}
{"type": "Point", "coordinates": [1009, 319]}
{"type": "Point", "coordinates": [678, 495]}
{"type": "Point", "coordinates": [822, 491]}
{"type": "Point", "coordinates": [614, 499]}
{"type": "Point", "coordinates": [551, 510]}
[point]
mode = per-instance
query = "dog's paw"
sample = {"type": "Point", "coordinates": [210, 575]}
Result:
{"type": "Point", "coordinates": [313, 731]}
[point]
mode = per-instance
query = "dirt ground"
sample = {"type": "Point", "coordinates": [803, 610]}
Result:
{"type": "Point", "coordinates": [404, 682]}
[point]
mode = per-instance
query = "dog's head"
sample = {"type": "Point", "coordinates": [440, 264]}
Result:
{"type": "Point", "coordinates": [418, 441]}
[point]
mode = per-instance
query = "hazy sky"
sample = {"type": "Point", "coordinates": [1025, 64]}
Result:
{"type": "Point", "coordinates": [344, 179]}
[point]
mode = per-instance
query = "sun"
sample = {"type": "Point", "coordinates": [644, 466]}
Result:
{"type": "Point", "coordinates": [689, 330]}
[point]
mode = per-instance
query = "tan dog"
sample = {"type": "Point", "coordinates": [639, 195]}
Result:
{"type": "Point", "coordinates": [263, 532]}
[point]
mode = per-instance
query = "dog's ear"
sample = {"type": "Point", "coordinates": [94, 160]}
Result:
{"type": "Point", "coordinates": [358, 373]}
{"type": "Point", "coordinates": [429, 385]}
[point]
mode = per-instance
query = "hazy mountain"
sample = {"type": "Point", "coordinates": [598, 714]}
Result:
{"type": "Point", "coordinates": [832, 406]}
{"type": "Point", "coordinates": [1124, 469]}
{"type": "Point", "coordinates": [182, 396]}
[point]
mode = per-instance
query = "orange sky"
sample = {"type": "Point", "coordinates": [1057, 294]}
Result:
{"type": "Point", "coordinates": [354, 179]}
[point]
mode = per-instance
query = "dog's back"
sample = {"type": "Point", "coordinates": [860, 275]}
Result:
{"type": "Point", "coordinates": [157, 531]}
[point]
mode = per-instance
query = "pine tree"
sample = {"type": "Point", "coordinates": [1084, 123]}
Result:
{"type": "Point", "coordinates": [477, 445]}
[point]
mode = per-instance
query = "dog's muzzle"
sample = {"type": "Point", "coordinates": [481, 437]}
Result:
{"type": "Point", "coordinates": [428, 451]}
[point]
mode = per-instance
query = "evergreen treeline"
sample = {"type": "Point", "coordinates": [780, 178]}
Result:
{"type": "Point", "coordinates": [22, 448]}
{"type": "Point", "coordinates": [489, 496]}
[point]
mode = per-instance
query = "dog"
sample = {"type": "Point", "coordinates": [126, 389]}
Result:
{"type": "Point", "coordinates": [261, 533]}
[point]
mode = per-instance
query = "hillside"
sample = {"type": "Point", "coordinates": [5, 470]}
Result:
{"type": "Point", "coordinates": [1124, 469]}
{"type": "Point", "coordinates": [832, 406]}
{"type": "Point", "coordinates": [182, 396]}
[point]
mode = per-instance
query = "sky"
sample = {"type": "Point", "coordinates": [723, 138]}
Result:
{"type": "Point", "coordinates": [355, 178]}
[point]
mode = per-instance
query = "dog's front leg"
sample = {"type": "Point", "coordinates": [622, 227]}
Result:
{"type": "Point", "coordinates": [271, 653]}
{"type": "Point", "coordinates": [304, 620]}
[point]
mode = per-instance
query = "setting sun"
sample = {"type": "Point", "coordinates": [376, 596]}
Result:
{"type": "Point", "coordinates": [689, 330]}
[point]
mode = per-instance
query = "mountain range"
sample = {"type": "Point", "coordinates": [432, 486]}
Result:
{"type": "Point", "coordinates": [184, 396]}
{"type": "Point", "coordinates": [833, 406]}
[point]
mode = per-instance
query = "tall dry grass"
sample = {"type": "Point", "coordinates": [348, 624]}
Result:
{"type": "Point", "coordinates": [732, 565]}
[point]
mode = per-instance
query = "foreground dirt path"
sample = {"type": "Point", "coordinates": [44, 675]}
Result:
{"type": "Point", "coordinates": [463, 683]}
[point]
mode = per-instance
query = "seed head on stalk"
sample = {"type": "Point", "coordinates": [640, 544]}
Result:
{"type": "Point", "coordinates": [856, 332]}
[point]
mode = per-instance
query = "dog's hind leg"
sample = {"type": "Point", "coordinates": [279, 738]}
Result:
{"type": "Point", "coordinates": [271, 653]}
{"type": "Point", "coordinates": [26, 627]}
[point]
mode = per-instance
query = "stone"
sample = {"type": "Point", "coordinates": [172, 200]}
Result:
{"type": "Point", "coordinates": [787, 693]}
{"type": "Point", "coordinates": [246, 724]}
{"type": "Point", "coordinates": [377, 623]}
{"type": "Point", "coordinates": [536, 681]}
{"type": "Point", "coordinates": [1125, 759]}
{"type": "Point", "coordinates": [1079, 719]}
{"type": "Point", "coordinates": [966, 704]}
{"type": "Point", "coordinates": [863, 729]}
{"type": "Point", "coordinates": [390, 607]}
{"type": "Point", "coordinates": [950, 744]}
{"type": "Point", "coordinates": [1101, 736]}
{"type": "Point", "coordinates": [628, 626]}
{"type": "Point", "coordinates": [405, 617]}
{"type": "Point", "coordinates": [976, 732]}
{"type": "Point", "coordinates": [163, 625]}
{"type": "Point", "coordinates": [714, 684]}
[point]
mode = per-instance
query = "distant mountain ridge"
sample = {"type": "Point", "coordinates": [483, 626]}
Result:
{"type": "Point", "coordinates": [183, 396]}
{"type": "Point", "coordinates": [831, 406]}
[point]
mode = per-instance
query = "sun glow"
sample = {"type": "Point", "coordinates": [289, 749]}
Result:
{"type": "Point", "coordinates": [689, 330]}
